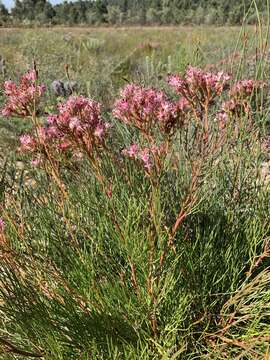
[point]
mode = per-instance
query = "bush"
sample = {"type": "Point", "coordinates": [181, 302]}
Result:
{"type": "Point", "coordinates": [144, 235]}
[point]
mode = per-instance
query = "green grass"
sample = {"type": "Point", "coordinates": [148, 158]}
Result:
{"type": "Point", "coordinates": [80, 275]}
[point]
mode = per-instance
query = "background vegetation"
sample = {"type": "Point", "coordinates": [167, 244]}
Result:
{"type": "Point", "coordinates": [130, 12]}
{"type": "Point", "coordinates": [101, 61]}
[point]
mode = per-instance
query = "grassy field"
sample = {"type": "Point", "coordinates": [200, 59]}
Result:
{"type": "Point", "coordinates": [102, 60]}
{"type": "Point", "coordinates": [145, 234]}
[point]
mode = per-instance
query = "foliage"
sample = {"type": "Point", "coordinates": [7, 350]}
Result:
{"type": "Point", "coordinates": [117, 12]}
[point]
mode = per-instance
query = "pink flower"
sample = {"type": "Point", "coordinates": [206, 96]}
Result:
{"type": "Point", "coordinates": [229, 105]}
{"type": "Point", "coordinates": [28, 143]}
{"type": "Point", "coordinates": [182, 104]}
{"type": "Point", "coordinates": [199, 85]}
{"type": "Point", "coordinates": [99, 130]}
{"type": "Point", "coordinates": [65, 145]}
{"type": "Point", "coordinates": [2, 225]}
{"type": "Point", "coordinates": [77, 127]}
{"type": "Point", "coordinates": [222, 117]}
{"type": "Point", "coordinates": [177, 82]}
{"type": "Point", "coordinates": [132, 151]}
{"type": "Point", "coordinates": [52, 132]}
{"type": "Point", "coordinates": [30, 76]}
{"type": "Point", "coordinates": [51, 119]}
{"type": "Point", "coordinates": [138, 106]}
{"type": "Point", "coordinates": [245, 88]}
{"type": "Point", "coordinates": [266, 144]}
{"type": "Point", "coordinates": [35, 162]}
{"type": "Point", "coordinates": [7, 111]}
{"type": "Point", "coordinates": [146, 108]}
{"type": "Point", "coordinates": [22, 99]}
{"type": "Point", "coordinates": [77, 124]}
{"type": "Point", "coordinates": [146, 156]}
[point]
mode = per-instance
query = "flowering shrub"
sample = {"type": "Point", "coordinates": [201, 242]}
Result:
{"type": "Point", "coordinates": [147, 109]}
{"type": "Point", "coordinates": [77, 127]}
{"type": "Point", "coordinates": [240, 99]}
{"type": "Point", "coordinates": [23, 99]}
{"type": "Point", "coordinates": [199, 87]}
{"type": "Point", "coordinates": [146, 241]}
{"type": "Point", "coordinates": [243, 89]}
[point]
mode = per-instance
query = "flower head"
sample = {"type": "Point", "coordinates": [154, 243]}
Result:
{"type": "Point", "coordinates": [146, 108]}
{"type": "Point", "coordinates": [2, 225]}
{"type": "Point", "coordinates": [266, 144]}
{"type": "Point", "coordinates": [77, 127]}
{"type": "Point", "coordinates": [28, 143]}
{"type": "Point", "coordinates": [199, 85]}
{"type": "Point", "coordinates": [146, 155]}
{"type": "Point", "coordinates": [132, 151]}
{"type": "Point", "coordinates": [245, 88]}
{"type": "Point", "coordinates": [138, 106]}
{"type": "Point", "coordinates": [23, 98]}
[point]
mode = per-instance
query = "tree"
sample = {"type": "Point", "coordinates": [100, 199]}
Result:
{"type": "Point", "coordinates": [135, 11]}
{"type": "Point", "coordinates": [4, 14]}
{"type": "Point", "coordinates": [114, 15]}
{"type": "Point", "coordinates": [32, 10]}
{"type": "Point", "coordinates": [153, 16]}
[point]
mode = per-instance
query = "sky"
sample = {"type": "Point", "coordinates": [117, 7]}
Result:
{"type": "Point", "coordinates": [9, 3]}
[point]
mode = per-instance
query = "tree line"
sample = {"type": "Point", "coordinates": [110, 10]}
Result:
{"type": "Point", "coordinates": [132, 12]}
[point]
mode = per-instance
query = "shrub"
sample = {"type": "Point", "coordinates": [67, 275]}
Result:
{"type": "Point", "coordinates": [137, 238]}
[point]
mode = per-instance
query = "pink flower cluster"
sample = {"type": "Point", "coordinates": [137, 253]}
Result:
{"type": "Point", "coordinates": [78, 129]}
{"type": "Point", "coordinates": [78, 126]}
{"type": "Point", "coordinates": [28, 143]}
{"type": "Point", "coordinates": [2, 225]}
{"type": "Point", "coordinates": [222, 118]}
{"type": "Point", "coordinates": [146, 107]}
{"type": "Point", "coordinates": [245, 88]}
{"type": "Point", "coordinates": [22, 98]}
{"type": "Point", "coordinates": [146, 155]}
{"type": "Point", "coordinates": [238, 102]}
{"type": "Point", "coordinates": [266, 144]}
{"type": "Point", "coordinates": [199, 85]}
